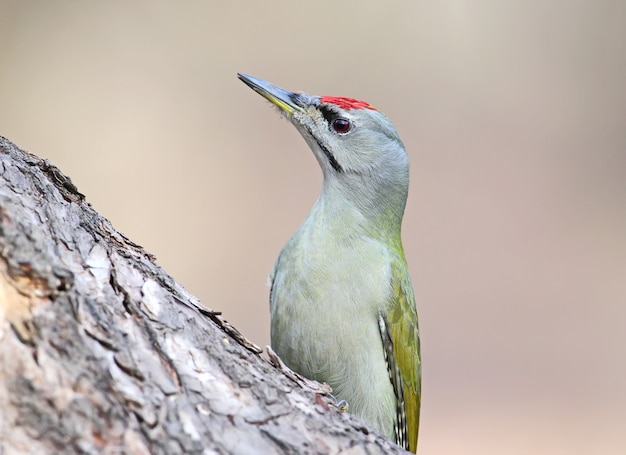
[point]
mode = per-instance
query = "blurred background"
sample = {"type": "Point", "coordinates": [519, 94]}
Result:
{"type": "Point", "coordinates": [513, 113]}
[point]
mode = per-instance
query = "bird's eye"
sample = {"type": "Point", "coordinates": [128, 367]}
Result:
{"type": "Point", "coordinates": [341, 125]}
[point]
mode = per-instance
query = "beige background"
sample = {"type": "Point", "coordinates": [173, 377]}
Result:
{"type": "Point", "coordinates": [513, 113]}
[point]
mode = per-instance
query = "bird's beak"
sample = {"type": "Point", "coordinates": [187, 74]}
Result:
{"type": "Point", "coordinates": [282, 98]}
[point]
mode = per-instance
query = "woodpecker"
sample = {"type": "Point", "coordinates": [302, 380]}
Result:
{"type": "Point", "coordinates": [341, 301]}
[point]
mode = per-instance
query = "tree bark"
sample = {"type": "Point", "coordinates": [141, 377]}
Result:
{"type": "Point", "coordinates": [101, 351]}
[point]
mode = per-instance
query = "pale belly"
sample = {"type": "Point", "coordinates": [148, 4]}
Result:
{"type": "Point", "coordinates": [324, 325]}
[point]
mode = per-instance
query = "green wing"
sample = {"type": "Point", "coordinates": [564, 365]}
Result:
{"type": "Point", "coordinates": [405, 366]}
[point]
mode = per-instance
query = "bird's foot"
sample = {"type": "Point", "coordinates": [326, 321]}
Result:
{"type": "Point", "coordinates": [342, 405]}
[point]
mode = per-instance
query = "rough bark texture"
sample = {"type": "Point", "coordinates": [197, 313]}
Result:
{"type": "Point", "coordinates": [102, 352]}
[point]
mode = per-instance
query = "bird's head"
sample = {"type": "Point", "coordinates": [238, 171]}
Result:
{"type": "Point", "coordinates": [360, 153]}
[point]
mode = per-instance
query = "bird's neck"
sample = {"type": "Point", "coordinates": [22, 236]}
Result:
{"type": "Point", "coordinates": [359, 214]}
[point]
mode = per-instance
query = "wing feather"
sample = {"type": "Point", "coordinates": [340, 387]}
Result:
{"type": "Point", "coordinates": [402, 326]}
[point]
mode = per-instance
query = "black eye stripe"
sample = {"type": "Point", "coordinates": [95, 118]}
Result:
{"type": "Point", "coordinates": [336, 122]}
{"type": "Point", "coordinates": [328, 113]}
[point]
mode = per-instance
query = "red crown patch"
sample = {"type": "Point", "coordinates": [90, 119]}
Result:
{"type": "Point", "coordinates": [346, 103]}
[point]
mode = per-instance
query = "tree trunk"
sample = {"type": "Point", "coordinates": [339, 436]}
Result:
{"type": "Point", "coordinates": [101, 351]}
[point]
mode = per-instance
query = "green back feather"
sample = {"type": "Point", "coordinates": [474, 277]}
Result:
{"type": "Point", "coordinates": [402, 316]}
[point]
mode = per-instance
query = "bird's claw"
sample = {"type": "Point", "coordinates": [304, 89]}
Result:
{"type": "Point", "coordinates": [342, 405]}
